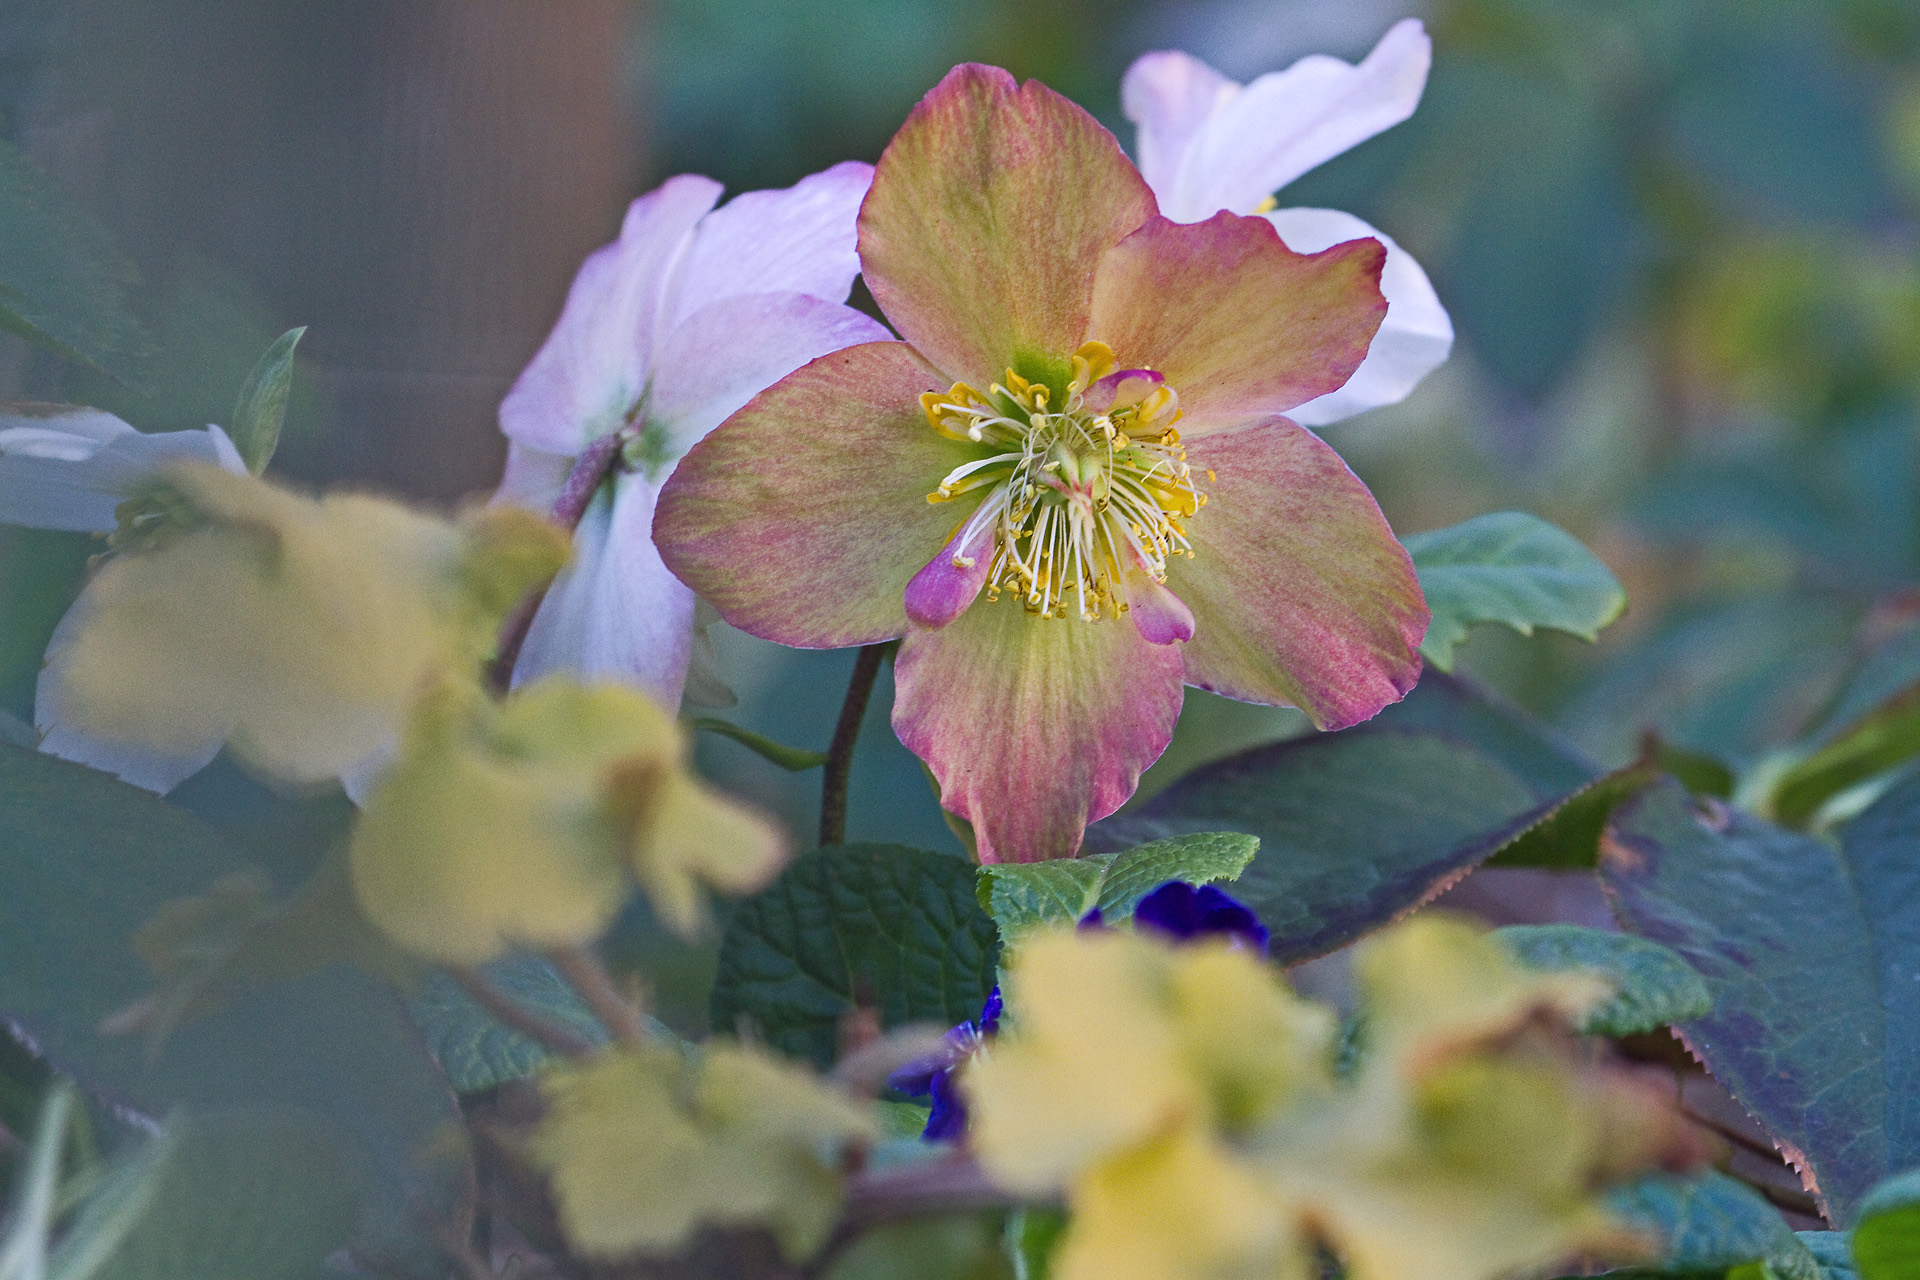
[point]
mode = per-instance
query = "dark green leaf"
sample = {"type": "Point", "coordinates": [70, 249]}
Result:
{"type": "Point", "coordinates": [792, 759]}
{"type": "Point", "coordinates": [1511, 568]}
{"type": "Point", "coordinates": [1024, 896]}
{"type": "Point", "coordinates": [63, 284]}
{"type": "Point", "coordinates": [1702, 774]}
{"type": "Point", "coordinates": [953, 1247]}
{"type": "Point", "coordinates": [879, 925]}
{"type": "Point", "coordinates": [1653, 987]}
{"type": "Point", "coordinates": [240, 1195]}
{"type": "Point", "coordinates": [1458, 709]}
{"type": "Point", "coordinates": [1809, 954]}
{"type": "Point", "coordinates": [1886, 1241]}
{"type": "Point", "coordinates": [1567, 837]}
{"type": "Point", "coordinates": [479, 1052]}
{"type": "Point", "coordinates": [262, 406]}
{"type": "Point", "coordinates": [1031, 1234]}
{"type": "Point", "coordinates": [1831, 1250]}
{"type": "Point", "coordinates": [1710, 1223]}
{"type": "Point", "coordinates": [84, 862]}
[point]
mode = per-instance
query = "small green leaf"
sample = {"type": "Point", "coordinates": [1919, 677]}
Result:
{"type": "Point", "coordinates": [1511, 568]}
{"type": "Point", "coordinates": [792, 759]}
{"type": "Point", "coordinates": [1653, 986]}
{"type": "Point", "coordinates": [1025, 896]}
{"type": "Point", "coordinates": [880, 925]}
{"type": "Point", "coordinates": [1710, 1224]}
{"type": "Point", "coordinates": [1831, 1251]}
{"type": "Point", "coordinates": [477, 1051]}
{"type": "Point", "coordinates": [1886, 1240]}
{"type": "Point", "coordinates": [262, 406]}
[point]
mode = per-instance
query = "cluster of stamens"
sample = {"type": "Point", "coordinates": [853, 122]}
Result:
{"type": "Point", "coordinates": [1082, 493]}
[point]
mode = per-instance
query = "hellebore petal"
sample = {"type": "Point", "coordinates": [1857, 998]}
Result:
{"type": "Point", "coordinates": [799, 239]}
{"type": "Point", "coordinates": [989, 211]}
{"type": "Point", "coordinates": [1034, 727]}
{"type": "Point", "coordinates": [1415, 338]}
{"type": "Point", "coordinates": [68, 466]}
{"type": "Point", "coordinates": [803, 519]}
{"type": "Point", "coordinates": [1302, 594]}
{"type": "Point", "coordinates": [593, 367]}
{"type": "Point", "coordinates": [1207, 144]}
{"type": "Point", "coordinates": [728, 352]}
{"type": "Point", "coordinates": [615, 612]}
{"type": "Point", "coordinates": [1239, 324]}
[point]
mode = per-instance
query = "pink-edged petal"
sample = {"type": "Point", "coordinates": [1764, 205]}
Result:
{"type": "Point", "coordinates": [1241, 326]}
{"type": "Point", "coordinates": [1281, 125]}
{"type": "Point", "coordinates": [131, 762]}
{"type": "Point", "coordinates": [799, 239]}
{"type": "Point", "coordinates": [532, 478]}
{"type": "Point", "coordinates": [68, 467]}
{"type": "Point", "coordinates": [989, 211]}
{"type": "Point", "coordinates": [1170, 97]}
{"type": "Point", "coordinates": [1301, 593]}
{"type": "Point", "coordinates": [1034, 727]}
{"type": "Point", "coordinates": [727, 353]}
{"type": "Point", "coordinates": [949, 582]}
{"type": "Point", "coordinates": [1414, 339]}
{"type": "Point", "coordinates": [615, 612]}
{"type": "Point", "coordinates": [593, 366]}
{"type": "Point", "coordinates": [803, 517]}
{"type": "Point", "coordinates": [1160, 616]}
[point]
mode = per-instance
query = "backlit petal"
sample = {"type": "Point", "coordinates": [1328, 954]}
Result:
{"type": "Point", "coordinates": [1240, 325]}
{"type": "Point", "coordinates": [533, 478]}
{"type": "Point", "coordinates": [1302, 595]}
{"type": "Point", "coordinates": [1034, 727]}
{"type": "Point", "coordinates": [802, 518]}
{"type": "Point", "coordinates": [1414, 339]}
{"type": "Point", "coordinates": [1171, 96]}
{"type": "Point", "coordinates": [989, 211]}
{"type": "Point", "coordinates": [593, 366]}
{"type": "Point", "coordinates": [68, 467]}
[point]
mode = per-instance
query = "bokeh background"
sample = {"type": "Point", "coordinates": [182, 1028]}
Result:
{"type": "Point", "coordinates": [1677, 238]}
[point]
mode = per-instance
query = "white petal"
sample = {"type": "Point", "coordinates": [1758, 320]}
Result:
{"type": "Point", "coordinates": [532, 478]}
{"type": "Point", "coordinates": [358, 778]}
{"type": "Point", "coordinates": [1413, 340]}
{"type": "Point", "coordinates": [1170, 96]}
{"type": "Point", "coordinates": [729, 352]}
{"type": "Point", "coordinates": [130, 762]}
{"type": "Point", "coordinates": [69, 471]}
{"type": "Point", "coordinates": [615, 611]}
{"type": "Point", "coordinates": [796, 240]}
{"type": "Point", "coordinates": [1287, 122]}
{"type": "Point", "coordinates": [593, 365]}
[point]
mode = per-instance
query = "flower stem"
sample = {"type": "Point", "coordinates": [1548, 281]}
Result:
{"type": "Point", "coordinates": [576, 495]}
{"type": "Point", "coordinates": [583, 970]}
{"type": "Point", "coordinates": [562, 1040]}
{"type": "Point", "coordinates": [833, 787]}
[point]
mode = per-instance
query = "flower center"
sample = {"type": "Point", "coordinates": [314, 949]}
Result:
{"type": "Point", "coordinates": [1084, 493]}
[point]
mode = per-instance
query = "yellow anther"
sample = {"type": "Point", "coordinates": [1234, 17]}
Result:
{"type": "Point", "coordinates": [1267, 206]}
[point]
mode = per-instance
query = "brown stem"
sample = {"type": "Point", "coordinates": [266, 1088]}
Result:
{"type": "Point", "coordinates": [576, 495]}
{"type": "Point", "coordinates": [583, 970]}
{"type": "Point", "coordinates": [833, 786]}
{"type": "Point", "coordinates": [561, 1040]}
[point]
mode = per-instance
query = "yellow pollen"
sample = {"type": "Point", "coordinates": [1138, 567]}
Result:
{"type": "Point", "coordinates": [1077, 500]}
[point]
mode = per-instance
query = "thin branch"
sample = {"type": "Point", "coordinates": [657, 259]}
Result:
{"type": "Point", "coordinates": [561, 1040]}
{"type": "Point", "coordinates": [621, 1016]}
{"type": "Point", "coordinates": [833, 786]}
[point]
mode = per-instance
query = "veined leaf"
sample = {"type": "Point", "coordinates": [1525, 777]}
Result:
{"type": "Point", "coordinates": [262, 406]}
{"type": "Point", "coordinates": [1710, 1224]}
{"type": "Point", "coordinates": [1025, 896]}
{"type": "Point", "coordinates": [477, 1051]}
{"type": "Point", "coordinates": [1653, 987]}
{"type": "Point", "coordinates": [1514, 569]}
{"type": "Point", "coordinates": [880, 925]}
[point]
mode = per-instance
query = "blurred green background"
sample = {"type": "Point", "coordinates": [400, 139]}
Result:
{"type": "Point", "coordinates": [1677, 238]}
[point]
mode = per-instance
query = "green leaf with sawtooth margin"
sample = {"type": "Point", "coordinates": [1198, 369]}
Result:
{"type": "Point", "coordinates": [882, 925]}
{"type": "Point", "coordinates": [1567, 837]}
{"type": "Point", "coordinates": [262, 407]}
{"type": "Point", "coordinates": [479, 1052]}
{"type": "Point", "coordinates": [1710, 1224]}
{"type": "Point", "coordinates": [1809, 954]}
{"type": "Point", "coordinates": [232, 1195]}
{"type": "Point", "coordinates": [1652, 986]}
{"type": "Point", "coordinates": [84, 862]}
{"type": "Point", "coordinates": [1831, 1250]}
{"type": "Point", "coordinates": [63, 283]}
{"type": "Point", "coordinates": [1025, 896]}
{"type": "Point", "coordinates": [1886, 1240]}
{"type": "Point", "coordinates": [1511, 568]}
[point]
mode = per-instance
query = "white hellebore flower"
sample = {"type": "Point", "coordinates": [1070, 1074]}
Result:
{"type": "Point", "coordinates": [1207, 143]}
{"type": "Point", "coordinates": [68, 467]}
{"type": "Point", "coordinates": [666, 332]}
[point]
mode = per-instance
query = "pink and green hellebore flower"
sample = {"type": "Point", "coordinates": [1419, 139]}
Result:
{"type": "Point", "coordinates": [1070, 488]}
{"type": "Point", "coordinates": [1207, 143]}
{"type": "Point", "coordinates": [665, 333]}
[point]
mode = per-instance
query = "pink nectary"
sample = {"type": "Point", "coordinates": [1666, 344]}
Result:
{"type": "Point", "coordinates": [1160, 616]}
{"type": "Point", "coordinates": [1121, 388]}
{"type": "Point", "coordinates": [942, 591]}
